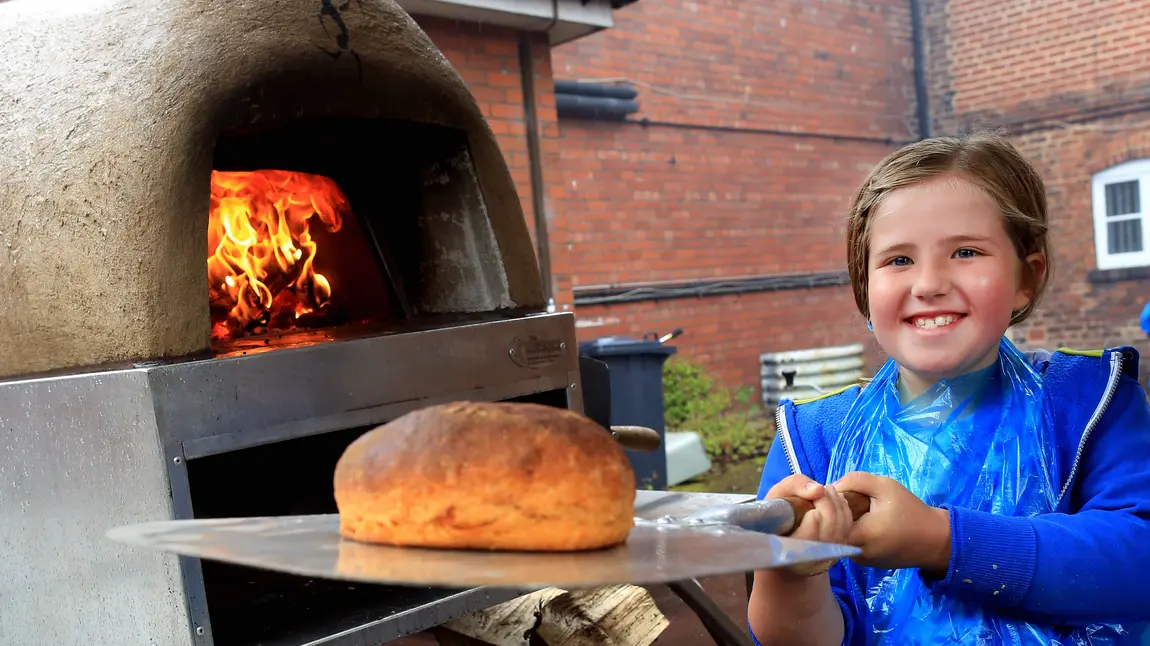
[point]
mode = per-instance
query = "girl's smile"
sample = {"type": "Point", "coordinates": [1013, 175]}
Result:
{"type": "Point", "coordinates": [941, 321]}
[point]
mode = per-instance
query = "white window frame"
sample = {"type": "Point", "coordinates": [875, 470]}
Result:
{"type": "Point", "coordinates": [1132, 170]}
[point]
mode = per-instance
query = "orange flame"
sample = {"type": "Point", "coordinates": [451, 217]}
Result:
{"type": "Point", "coordinates": [260, 269]}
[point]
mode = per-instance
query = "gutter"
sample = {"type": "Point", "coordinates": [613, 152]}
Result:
{"type": "Point", "coordinates": [921, 95]}
{"type": "Point", "coordinates": [535, 157]}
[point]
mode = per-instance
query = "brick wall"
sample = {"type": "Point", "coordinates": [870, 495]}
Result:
{"type": "Point", "coordinates": [1021, 62]}
{"type": "Point", "coordinates": [728, 333]}
{"type": "Point", "coordinates": [658, 204]}
{"type": "Point", "coordinates": [805, 65]}
{"type": "Point", "coordinates": [487, 58]}
{"type": "Point", "coordinates": [761, 119]}
{"type": "Point", "coordinates": [1071, 82]}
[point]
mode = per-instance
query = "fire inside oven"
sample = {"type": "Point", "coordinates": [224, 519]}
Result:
{"type": "Point", "coordinates": [275, 236]}
{"type": "Point", "coordinates": [304, 222]}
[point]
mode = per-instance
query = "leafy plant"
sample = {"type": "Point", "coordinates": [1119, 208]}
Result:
{"type": "Point", "coordinates": [731, 426]}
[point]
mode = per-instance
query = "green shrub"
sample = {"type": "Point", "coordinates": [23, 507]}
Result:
{"type": "Point", "coordinates": [732, 427]}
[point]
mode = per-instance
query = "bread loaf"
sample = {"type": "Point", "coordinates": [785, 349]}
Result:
{"type": "Point", "coordinates": [487, 476]}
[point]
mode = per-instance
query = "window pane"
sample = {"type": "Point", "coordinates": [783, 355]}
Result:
{"type": "Point", "coordinates": [1122, 198]}
{"type": "Point", "coordinates": [1124, 236]}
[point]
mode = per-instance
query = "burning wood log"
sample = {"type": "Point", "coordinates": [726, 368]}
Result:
{"type": "Point", "coordinates": [261, 267]}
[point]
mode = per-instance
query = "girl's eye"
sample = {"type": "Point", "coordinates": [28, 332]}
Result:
{"type": "Point", "coordinates": [966, 253]}
{"type": "Point", "coordinates": [899, 261]}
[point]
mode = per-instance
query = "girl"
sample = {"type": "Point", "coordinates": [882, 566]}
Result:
{"type": "Point", "coordinates": [1010, 493]}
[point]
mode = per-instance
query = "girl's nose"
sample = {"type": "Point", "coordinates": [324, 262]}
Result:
{"type": "Point", "coordinates": [930, 281]}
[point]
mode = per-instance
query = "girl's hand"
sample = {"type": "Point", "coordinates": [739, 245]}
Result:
{"type": "Point", "coordinates": [899, 531]}
{"type": "Point", "coordinates": [830, 521]}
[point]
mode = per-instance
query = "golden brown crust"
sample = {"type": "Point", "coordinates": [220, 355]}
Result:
{"type": "Point", "coordinates": [500, 476]}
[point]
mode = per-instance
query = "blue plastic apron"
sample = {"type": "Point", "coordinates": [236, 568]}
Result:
{"type": "Point", "coordinates": [982, 441]}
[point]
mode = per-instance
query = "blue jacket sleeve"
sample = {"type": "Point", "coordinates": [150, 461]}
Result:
{"type": "Point", "coordinates": [1075, 569]}
{"type": "Point", "coordinates": [776, 469]}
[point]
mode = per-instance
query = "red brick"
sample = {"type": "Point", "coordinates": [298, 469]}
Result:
{"type": "Point", "coordinates": [836, 65]}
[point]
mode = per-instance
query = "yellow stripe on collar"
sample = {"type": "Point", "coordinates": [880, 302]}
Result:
{"type": "Point", "coordinates": [1081, 353]}
{"type": "Point", "coordinates": [825, 395]}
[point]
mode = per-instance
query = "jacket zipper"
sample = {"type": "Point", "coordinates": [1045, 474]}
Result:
{"type": "Point", "coordinates": [788, 448]}
{"type": "Point", "coordinates": [1111, 387]}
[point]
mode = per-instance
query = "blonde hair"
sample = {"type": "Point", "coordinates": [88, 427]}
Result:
{"type": "Point", "coordinates": [988, 161]}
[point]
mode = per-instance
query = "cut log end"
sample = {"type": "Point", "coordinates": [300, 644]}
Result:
{"type": "Point", "coordinates": [619, 615]}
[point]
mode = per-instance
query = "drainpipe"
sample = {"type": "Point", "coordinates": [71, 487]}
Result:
{"type": "Point", "coordinates": [921, 97]}
{"type": "Point", "coordinates": [535, 157]}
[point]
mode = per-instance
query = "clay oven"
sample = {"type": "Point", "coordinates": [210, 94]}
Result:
{"type": "Point", "coordinates": [117, 119]}
{"type": "Point", "coordinates": [233, 237]}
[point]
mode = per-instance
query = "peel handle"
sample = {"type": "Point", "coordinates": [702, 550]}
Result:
{"type": "Point", "coordinates": [778, 516]}
{"type": "Point", "coordinates": [859, 505]}
{"type": "Point", "coordinates": [637, 438]}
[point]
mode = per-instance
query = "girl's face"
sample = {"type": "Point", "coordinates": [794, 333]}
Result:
{"type": "Point", "coordinates": [944, 279]}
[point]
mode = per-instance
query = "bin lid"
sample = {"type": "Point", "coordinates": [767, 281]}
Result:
{"type": "Point", "coordinates": [621, 345]}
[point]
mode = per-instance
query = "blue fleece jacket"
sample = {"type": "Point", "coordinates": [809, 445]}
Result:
{"type": "Point", "coordinates": [1086, 563]}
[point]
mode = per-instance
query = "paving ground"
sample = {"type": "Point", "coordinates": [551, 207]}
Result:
{"type": "Point", "coordinates": [730, 592]}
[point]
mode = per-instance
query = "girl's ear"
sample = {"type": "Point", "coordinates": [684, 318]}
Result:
{"type": "Point", "coordinates": [1037, 264]}
{"type": "Point", "coordinates": [1033, 274]}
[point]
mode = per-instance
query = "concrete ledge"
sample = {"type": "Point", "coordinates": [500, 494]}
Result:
{"type": "Point", "coordinates": [575, 18]}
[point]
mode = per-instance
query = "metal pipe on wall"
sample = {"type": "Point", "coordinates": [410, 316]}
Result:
{"type": "Point", "coordinates": [535, 157]}
{"type": "Point", "coordinates": [921, 96]}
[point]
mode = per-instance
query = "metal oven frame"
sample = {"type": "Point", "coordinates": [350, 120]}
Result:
{"type": "Point", "coordinates": [89, 451]}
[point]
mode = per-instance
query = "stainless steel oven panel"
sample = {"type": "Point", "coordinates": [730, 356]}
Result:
{"type": "Point", "coordinates": [81, 454]}
{"type": "Point", "coordinates": [227, 404]}
{"type": "Point", "coordinates": [86, 452]}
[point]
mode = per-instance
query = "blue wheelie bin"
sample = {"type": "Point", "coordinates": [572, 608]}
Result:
{"type": "Point", "coordinates": [635, 367]}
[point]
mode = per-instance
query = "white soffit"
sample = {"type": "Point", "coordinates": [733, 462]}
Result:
{"type": "Point", "coordinates": [576, 18]}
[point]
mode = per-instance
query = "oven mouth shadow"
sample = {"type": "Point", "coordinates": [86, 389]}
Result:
{"type": "Point", "coordinates": [250, 606]}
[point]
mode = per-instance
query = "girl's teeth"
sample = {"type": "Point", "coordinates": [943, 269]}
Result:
{"type": "Point", "coordinates": [938, 321]}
